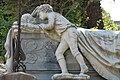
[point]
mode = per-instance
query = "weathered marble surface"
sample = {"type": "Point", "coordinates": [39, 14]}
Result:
{"type": "Point", "coordinates": [70, 77]}
{"type": "Point", "coordinates": [39, 52]}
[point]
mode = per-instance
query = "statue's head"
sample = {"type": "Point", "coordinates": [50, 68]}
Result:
{"type": "Point", "coordinates": [45, 8]}
{"type": "Point", "coordinates": [27, 18]}
{"type": "Point", "coordinates": [42, 10]}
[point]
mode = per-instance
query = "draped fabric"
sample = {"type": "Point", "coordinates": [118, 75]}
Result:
{"type": "Point", "coordinates": [9, 51]}
{"type": "Point", "coordinates": [102, 49]}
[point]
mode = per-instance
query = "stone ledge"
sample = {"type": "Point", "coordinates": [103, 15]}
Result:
{"type": "Point", "coordinates": [70, 77]}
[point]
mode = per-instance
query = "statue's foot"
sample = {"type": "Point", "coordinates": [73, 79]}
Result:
{"type": "Point", "coordinates": [84, 75]}
{"type": "Point", "coordinates": [84, 69]}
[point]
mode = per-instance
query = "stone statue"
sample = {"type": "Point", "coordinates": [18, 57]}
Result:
{"type": "Point", "coordinates": [67, 32]}
{"type": "Point", "coordinates": [100, 47]}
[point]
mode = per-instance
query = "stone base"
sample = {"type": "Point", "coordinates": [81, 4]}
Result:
{"type": "Point", "coordinates": [70, 77]}
{"type": "Point", "coordinates": [17, 76]}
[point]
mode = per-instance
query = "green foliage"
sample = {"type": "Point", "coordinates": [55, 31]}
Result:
{"type": "Point", "coordinates": [108, 22]}
{"type": "Point", "coordinates": [7, 17]}
{"type": "Point", "coordinates": [74, 10]}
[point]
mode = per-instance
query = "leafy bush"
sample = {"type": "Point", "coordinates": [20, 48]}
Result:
{"type": "Point", "coordinates": [108, 22]}
{"type": "Point", "coordinates": [7, 17]}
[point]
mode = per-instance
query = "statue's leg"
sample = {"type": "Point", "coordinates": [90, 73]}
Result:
{"type": "Point", "coordinates": [78, 56]}
{"type": "Point", "coordinates": [63, 46]}
{"type": "Point", "coordinates": [83, 66]}
{"type": "Point", "coordinates": [72, 43]}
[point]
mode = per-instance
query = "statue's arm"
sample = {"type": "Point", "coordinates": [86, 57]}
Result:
{"type": "Point", "coordinates": [50, 24]}
{"type": "Point", "coordinates": [25, 25]}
